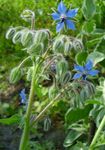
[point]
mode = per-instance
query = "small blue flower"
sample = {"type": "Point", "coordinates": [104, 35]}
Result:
{"type": "Point", "coordinates": [23, 96]}
{"type": "Point", "coordinates": [63, 17]}
{"type": "Point", "coordinates": [84, 71]}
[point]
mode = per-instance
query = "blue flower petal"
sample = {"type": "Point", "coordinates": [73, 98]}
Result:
{"type": "Point", "coordinates": [79, 68]}
{"type": "Point", "coordinates": [72, 13]}
{"type": "Point", "coordinates": [59, 26]}
{"type": "Point", "coordinates": [61, 8]}
{"type": "Point", "coordinates": [93, 72]}
{"type": "Point", "coordinates": [77, 75]}
{"type": "Point", "coordinates": [89, 65]}
{"type": "Point", "coordinates": [70, 24]}
{"type": "Point", "coordinates": [23, 96]}
{"type": "Point", "coordinates": [55, 16]}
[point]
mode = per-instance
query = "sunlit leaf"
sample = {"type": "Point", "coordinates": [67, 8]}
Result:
{"type": "Point", "coordinates": [11, 120]}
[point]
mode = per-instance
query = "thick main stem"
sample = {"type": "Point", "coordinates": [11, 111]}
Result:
{"type": "Point", "coordinates": [25, 135]}
{"type": "Point", "coordinates": [102, 124]}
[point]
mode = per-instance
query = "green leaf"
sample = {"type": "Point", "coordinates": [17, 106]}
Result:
{"type": "Point", "coordinates": [11, 120]}
{"type": "Point", "coordinates": [101, 45]}
{"type": "Point", "coordinates": [93, 42]}
{"type": "Point", "coordinates": [71, 137]}
{"type": "Point", "coordinates": [88, 26]}
{"type": "Point", "coordinates": [96, 57]}
{"type": "Point", "coordinates": [81, 58]}
{"type": "Point", "coordinates": [100, 116]}
{"type": "Point", "coordinates": [103, 63]}
{"type": "Point", "coordinates": [74, 115]}
{"type": "Point", "coordinates": [89, 9]}
{"type": "Point", "coordinates": [40, 91]}
{"type": "Point", "coordinates": [94, 102]}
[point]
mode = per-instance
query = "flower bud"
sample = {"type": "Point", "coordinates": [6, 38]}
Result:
{"type": "Point", "coordinates": [15, 75]}
{"type": "Point", "coordinates": [36, 49]}
{"type": "Point", "coordinates": [17, 37]}
{"type": "Point", "coordinates": [77, 44]}
{"type": "Point", "coordinates": [10, 33]}
{"type": "Point", "coordinates": [68, 47]}
{"type": "Point", "coordinates": [40, 42]}
{"type": "Point", "coordinates": [41, 36]}
{"type": "Point", "coordinates": [62, 67]}
{"type": "Point", "coordinates": [29, 73]}
{"type": "Point", "coordinates": [47, 124]}
{"type": "Point", "coordinates": [62, 44]}
{"type": "Point", "coordinates": [58, 46]}
{"type": "Point", "coordinates": [27, 15]}
{"type": "Point", "coordinates": [53, 67]}
{"type": "Point", "coordinates": [67, 77]}
{"type": "Point", "coordinates": [27, 37]}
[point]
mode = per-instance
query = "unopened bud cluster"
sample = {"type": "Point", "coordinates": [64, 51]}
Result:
{"type": "Point", "coordinates": [64, 44]}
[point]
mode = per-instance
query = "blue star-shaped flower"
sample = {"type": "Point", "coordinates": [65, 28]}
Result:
{"type": "Point", "coordinates": [23, 96]}
{"type": "Point", "coordinates": [84, 71]}
{"type": "Point", "coordinates": [63, 17]}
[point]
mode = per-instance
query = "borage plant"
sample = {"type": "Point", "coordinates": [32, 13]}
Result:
{"type": "Point", "coordinates": [52, 76]}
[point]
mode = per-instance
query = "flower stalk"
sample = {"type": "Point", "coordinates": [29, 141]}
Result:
{"type": "Point", "coordinates": [56, 99]}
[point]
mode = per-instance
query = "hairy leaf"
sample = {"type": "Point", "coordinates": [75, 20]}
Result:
{"type": "Point", "coordinates": [74, 115]}
{"type": "Point", "coordinates": [96, 57]}
{"type": "Point", "coordinates": [89, 9]}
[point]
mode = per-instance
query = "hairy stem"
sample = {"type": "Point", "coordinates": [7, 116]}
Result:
{"type": "Point", "coordinates": [102, 124]}
{"type": "Point", "coordinates": [33, 23]}
{"type": "Point", "coordinates": [92, 130]}
{"type": "Point", "coordinates": [40, 115]}
{"type": "Point", "coordinates": [25, 135]}
{"type": "Point", "coordinates": [24, 61]}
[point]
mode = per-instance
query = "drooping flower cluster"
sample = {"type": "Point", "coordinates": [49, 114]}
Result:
{"type": "Point", "coordinates": [85, 71]}
{"type": "Point", "coordinates": [63, 16]}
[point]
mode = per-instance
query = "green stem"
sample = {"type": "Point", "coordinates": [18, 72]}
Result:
{"type": "Point", "coordinates": [24, 61]}
{"type": "Point", "coordinates": [102, 124]}
{"type": "Point", "coordinates": [40, 115]}
{"type": "Point", "coordinates": [33, 23]}
{"type": "Point", "coordinates": [25, 135]}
